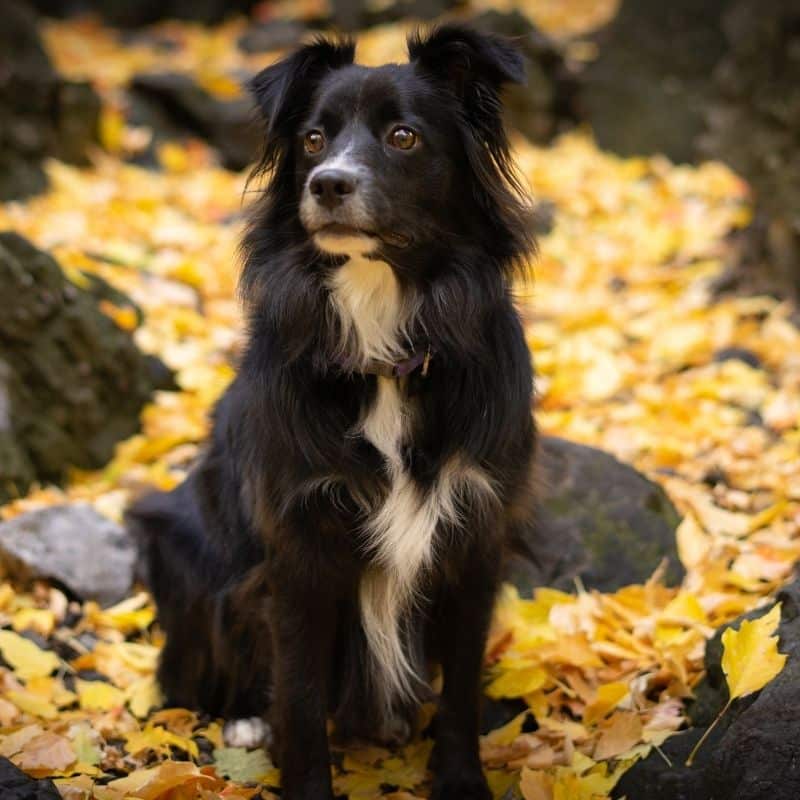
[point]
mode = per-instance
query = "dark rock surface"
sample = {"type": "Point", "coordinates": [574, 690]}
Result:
{"type": "Point", "coordinates": [41, 114]}
{"type": "Point", "coordinates": [760, 95]}
{"type": "Point", "coordinates": [274, 34]}
{"type": "Point", "coordinates": [754, 753]}
{"type": "Point", "coordinates": [16, 785]}
{"type": "Point", "coordinates": [72, 383]}
{"type": "Point", "coordinates": [648, 90]}
{"type": "Point", "coordinates": [601, 521]}
{"type": "Point", "coordinates": [175, 106]}
{"type": "Point", "coordinates": [134, 13]}
{"type": "Point", "coordinates": [713, 80]}
{"type": "Point", "coordinates": [85, 552]}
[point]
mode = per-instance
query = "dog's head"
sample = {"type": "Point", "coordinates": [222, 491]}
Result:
{"type": "Point", "coordinates": [396, 159]}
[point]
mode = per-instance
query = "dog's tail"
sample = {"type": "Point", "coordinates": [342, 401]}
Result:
{"type": "Point", "coordinates": [168, 530]}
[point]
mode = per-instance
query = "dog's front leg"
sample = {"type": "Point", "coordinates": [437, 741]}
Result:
{"type": "Point", "coordinates": [303, 628]}
{"type": "Point", "coordinates": [464, 615]}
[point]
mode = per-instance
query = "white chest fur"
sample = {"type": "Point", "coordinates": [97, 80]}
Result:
{"type": "Point", "coordinates": [400, 531]}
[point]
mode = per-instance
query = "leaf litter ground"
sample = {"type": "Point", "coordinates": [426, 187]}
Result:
{"type": "Point", "coordinates": [625, 336]}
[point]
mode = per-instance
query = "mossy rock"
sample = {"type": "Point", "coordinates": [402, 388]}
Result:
{"type": "Point", "coordinates": [601, 523]}
{"type": "Point", "coordinates": [72, 383]}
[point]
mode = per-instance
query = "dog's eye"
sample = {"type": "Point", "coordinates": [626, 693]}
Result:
{"type": "Point", "coordinates": [314, 142]}
{"type": "Point", "coordinates": [402, 138]}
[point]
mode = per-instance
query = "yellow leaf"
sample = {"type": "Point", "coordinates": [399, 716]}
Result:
{"type": "Point", "coordinates": [173, 157]}
{"type": "Point", "coordinates": [222, 86]}
{"type": "Point", "coordinates": [517, 682]}
{"type": "Point", "coordinates": [536, 784]}
{"type": "Point", "coordinates": [51, 689]}
{"type": "Point", "coordinates": [607, 698]}
{"type": "Point", "coordinates": [750, 657]}
{"type": "Point", "coordinates": [682, 614]}
{"type": "Point", "coordinates": [25, 658]}
{"type": "Point", "coordinates": [41, 620]}
{"type": "Point", "coordinates": [500, 782]}
{"type": "Point", "coordinates": [506, 733]}
{"type": "Point", "coordinates": [124, 316]}
{"type": "Point", "coordinates": [160, 740]}
{"type": "Point", "coordinates": [99, 696]}
{"type": "Point", "coordinates": [693, 542]}
{"type": "Point", "coordinates": [144, 695]}
{"type": "Point", "coordinates": [112, 128]}
{"type": "Point", "coordinates": [32, 704]}
{"type": "Point", "coordinates": [150, 784]}
{"type": "Point", "coordinates": [623, 731]}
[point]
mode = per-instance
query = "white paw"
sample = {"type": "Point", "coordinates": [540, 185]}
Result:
{"type": "Point", "coordinates": [251, 732]}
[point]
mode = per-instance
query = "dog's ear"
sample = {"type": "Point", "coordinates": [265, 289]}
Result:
{"type": "Point", "coordinates": [283, 90]}
{"type": "Point", "coordinates": [470, 62]}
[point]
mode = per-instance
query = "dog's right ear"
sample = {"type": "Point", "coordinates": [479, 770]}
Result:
{"type": "Point", "coordinates": [284, 89]}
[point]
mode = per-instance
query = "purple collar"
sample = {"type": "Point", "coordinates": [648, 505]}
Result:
{"type": "Point", "coordinates": [420, 360]}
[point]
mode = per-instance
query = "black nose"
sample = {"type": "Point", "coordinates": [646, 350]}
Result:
{"type": "Point", "coordinates": [331, 187]}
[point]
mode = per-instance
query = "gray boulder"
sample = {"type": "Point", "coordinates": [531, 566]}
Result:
{"type": "Point", "coordinates": [599, 521]}
{"type": "Point", "coordinates": [74, 545]}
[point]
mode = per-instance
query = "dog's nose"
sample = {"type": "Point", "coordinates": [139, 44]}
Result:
{"type": "Point", "coordinates": [331, 187]}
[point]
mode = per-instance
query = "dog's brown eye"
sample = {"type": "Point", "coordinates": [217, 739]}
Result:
{"type": "Point", "coordinates": [402, 138]}
{"type": "Point", "coordinates": [314, 142]}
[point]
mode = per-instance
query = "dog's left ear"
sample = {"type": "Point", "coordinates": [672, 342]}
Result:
{"type": "Point", "coordinates": [468, 61]}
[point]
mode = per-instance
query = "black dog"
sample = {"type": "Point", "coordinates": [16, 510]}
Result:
{"type": "Point", "coordinates": [372, 460]}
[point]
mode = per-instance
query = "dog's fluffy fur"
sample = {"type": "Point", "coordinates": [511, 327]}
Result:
{"type": "Point", "coordinates": [344, 529]}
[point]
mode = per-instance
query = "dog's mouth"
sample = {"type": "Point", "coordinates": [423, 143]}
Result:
{"type": "Point", "coordinates": [336, 233]}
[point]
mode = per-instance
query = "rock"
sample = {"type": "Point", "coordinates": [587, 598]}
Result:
{"type": "Point", "coordinates": [135, 13]}
{"type": "Point", "coordinates": [83, 551]}
{"type": "Point", "coordinates": [72, 383]}
{"type": "Point", "coordinates": [762, 96]}
{"type": "Point", "coordinates": [648, 90]}
{"type": "Point", "coordinates": [41, 114]}
{"type": "Point", "coordinates": [274, 34]}
{"type": "Point", "coordinates": [545, 105]}
{"type": "Point", "coordinates": [600, 521]}
{"type": "Point", "coordinates": [16, 785]}
{"type": "Point", "coordinates": [176, 107]}
{"type": "Point", "coordinates": [754, 753]}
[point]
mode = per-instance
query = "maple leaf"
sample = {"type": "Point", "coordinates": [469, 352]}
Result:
{"type": "Point", "coordinates": [750, 660]}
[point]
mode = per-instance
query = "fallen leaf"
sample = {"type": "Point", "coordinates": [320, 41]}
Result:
{"type": "Point", "coordinates": [240, 764]}
{"type": "Point", "coordinates": [152, 783]}
{"type": "Point", "coordinates": [607, 698]}
{"type": "Point", "coordinates": [27, 659]}
{"type": "Point", "coordinates": [98, 695]}
{"type": "Point", "coordinates": [45, 754]}
{"type": "Point", "coordinates": [750, 657]}
{"type": "Point", "coordinates": [622, 732]}
{"type": "Point", "coordinates": [160, 740]}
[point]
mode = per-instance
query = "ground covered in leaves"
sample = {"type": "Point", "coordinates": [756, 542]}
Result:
{"type": "Point", "coordinates": [630, 348]}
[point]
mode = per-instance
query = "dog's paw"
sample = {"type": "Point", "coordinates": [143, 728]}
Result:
{"type": "Point", "coordinates": [251, 732]}
{"type": "Point", "coordinates": [461, 787]}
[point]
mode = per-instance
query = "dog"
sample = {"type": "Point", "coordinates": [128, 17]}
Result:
{"type": "Point", "coordinates": [370, 465]}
